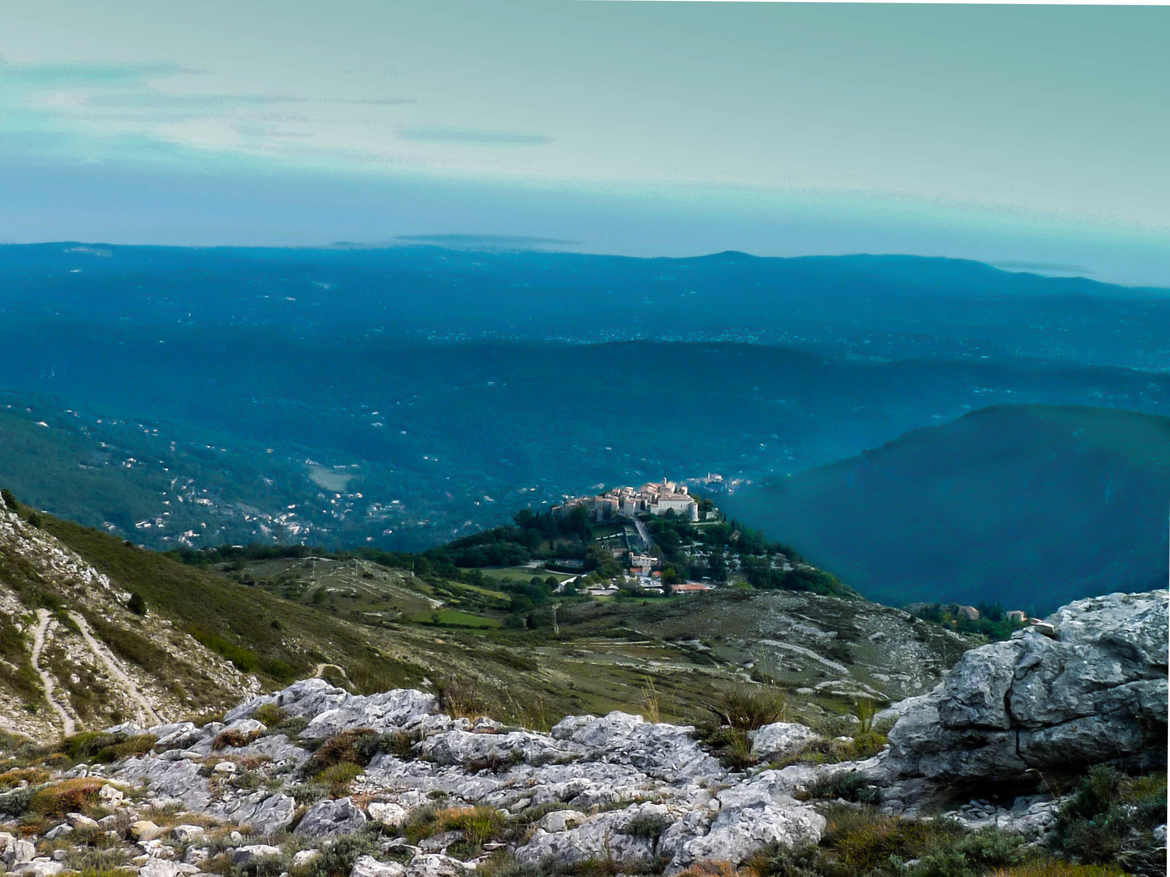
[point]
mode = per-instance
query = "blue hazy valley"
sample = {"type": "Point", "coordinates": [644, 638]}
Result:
{"type": "Point", "coordinates": [407, 396]}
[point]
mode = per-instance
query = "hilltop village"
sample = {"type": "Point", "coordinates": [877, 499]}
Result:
{"type": "Point", "coordinates": [655, 498]}
{"type": "Point", "coordinates": [621, 516]}
{"type": "Point", "coordinates": [621, 513]}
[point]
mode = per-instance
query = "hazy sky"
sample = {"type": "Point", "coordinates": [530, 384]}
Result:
{"type": "Point", "coordinates": [1010, 134]}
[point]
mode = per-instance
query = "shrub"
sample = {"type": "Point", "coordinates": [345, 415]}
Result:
{"type": "Point", "coordinates": [138, 745]}
{"type": "Point", "coordinates": [30, 775]}
{"type": "Point", "coordinates": [16, 802]}
{"type": "Point", "coordinates": [848, 785]}
{"type": "Point", "coordinates": [647, 825]}
{"type": "Point", "coordinates": [775, 860]}
{"type": "Point", "coordinates": [865, 744]}
{"type": "Point", "coordinates": [336, 860]}
{"type": "Point", "coordinates": [710, 868]}
{"type": "Point", "coordinates": [1058, 869]}
{"type": "Point", "coordinates": [233, 739]}
{"type": "Point", "coordinates": [502, 864]}
{"type": "Point", "coordinates": [87, 744]}
{"type": "Point", "coordinates": [290, 727]}
{"type": "Point", "coordinates": [357, 746]}
{"type": "Point", "coordinates": [730, 745]}
{"type": "Point", "coordinates": [864, 709]}
{"type": "Point", "coordinates": [477, 824]}
{"type": "Point", "coordinates": [460, 698]}
{"type": "Point", "coordinates": [750, 707]}
{"type": "Point", "coordinates": [270, 715]}
{"type": "Point", "coordinates": [859, 840]}
{"type": "Point", "coordinates": [1109, 817]}
{"type": "Point", "coordinates": [67, 796]}
{"type": "Point", "coordinates": [338, 777]}
{"type": "Point", "coordinates": [973, 855]}
{"type": "Point", "coordinates": [136, 603]}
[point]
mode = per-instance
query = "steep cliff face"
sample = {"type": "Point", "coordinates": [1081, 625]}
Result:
{"type": "Point", "coordinates": [73, 655]}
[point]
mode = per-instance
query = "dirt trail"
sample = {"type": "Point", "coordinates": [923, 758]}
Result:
{"type": "Point", "coordinates": [43, 621]}
{"type": "Point", "coordinates": [115, 670]}
{"type": "Point", "coordinates": [321, 668]}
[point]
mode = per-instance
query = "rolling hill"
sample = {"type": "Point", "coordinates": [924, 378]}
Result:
{"type": "Point", "coordinates": [75, 654]}
{"type": "Point", "coordinates": [1027, 505]}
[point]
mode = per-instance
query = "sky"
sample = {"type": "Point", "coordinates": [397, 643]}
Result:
{"type": "Point", "coordinates": [1027, 136]}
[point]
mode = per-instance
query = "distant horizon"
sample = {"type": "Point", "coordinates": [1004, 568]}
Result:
{"type": "Point", "coordinates": [514, 244]}
{"type": "Point", "coordinates": [1028, 135]}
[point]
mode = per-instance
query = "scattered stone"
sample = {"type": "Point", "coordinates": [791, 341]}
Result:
{"type": "Point", "coordinates": [144, 829]}
{"type": "Point", "coordinates": [561, 820]}
{"type": "Point", "coordinates": [187, 833]}
{"type": "Point", "coordinates": [387, 813]}
{"type": "Point", "coordinates": [110, 795]}
{"type": "Point", "coordinates": [368, 866]}
{"type": "Point", "coordinates": [41, 867]}
{"type": "Point", "coordinates": [780, 739]}
{"type": "Point", "coordinates": [327, 818]}
{"type": "Point", "coordinates": [304, 857]}
{"type": "Point", "coordinates": [58, 831]}
{"type": "Point", "coordinates": [253, 853]}
{"type": "Point", "coordinates": [166, 868]}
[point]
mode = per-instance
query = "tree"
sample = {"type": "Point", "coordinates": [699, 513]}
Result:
{"type": "Point", "coordinates": [718, 565]}
{"type": "Point", "coordinates": [136, 604]}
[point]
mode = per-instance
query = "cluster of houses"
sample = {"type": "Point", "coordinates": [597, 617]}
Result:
{"type": "Point", "coordinates": [655, 498]}
{"type": "Point", "coordinates": [1015, 617]}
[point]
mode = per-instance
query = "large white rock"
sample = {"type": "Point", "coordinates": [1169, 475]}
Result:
{"type": "Point", "coordinates": [1094, 691]}
{"type": "Point", "coordinates": [602, 836]}
{"type": "Point", "coordinates": [480, 750]}
{"type": "Point", "coordinates": [253, 853]}
{"type": "Point", "coordinates": [331, 710]}
{"type": "Point", "coordinates": [41, 867]}
{"type": "Point", "coordinates": [327, 818]}
{"type": "Point", "coordinates": [368, 866]}
{"type": "Point", "coordinates": [658, 749]}
{"type": "Point", "coordinates": [751, 815]}
{"type": "Point", "coordinates": [166, 868]}
{"type": "Point", "coordinates": [780, 739]}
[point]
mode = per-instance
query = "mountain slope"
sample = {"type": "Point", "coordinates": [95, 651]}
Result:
{"type": "Point", "coordinates": [1027, 505]}
{"type": "Point", "coordinates": [73, 655]}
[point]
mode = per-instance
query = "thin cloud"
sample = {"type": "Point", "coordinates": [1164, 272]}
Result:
{"type": "Point", "coordinates": [56, 75]}
{"type": "Point", "coordinates": [162, 100]}
{"type": "Point", "coordinates": [486, 241]}
{"type": "Point", "coordinates": [374, 101]}
{"type": "Point", "coordinates": [472, 136]}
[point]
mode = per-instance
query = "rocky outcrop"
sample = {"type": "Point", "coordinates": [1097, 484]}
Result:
{"type": "Point", "coordinates": [1093, 690]}
{"type": "Point", "coordinates": [332, 710]}
{"type": "Point", "coordinates": [616, 788]}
